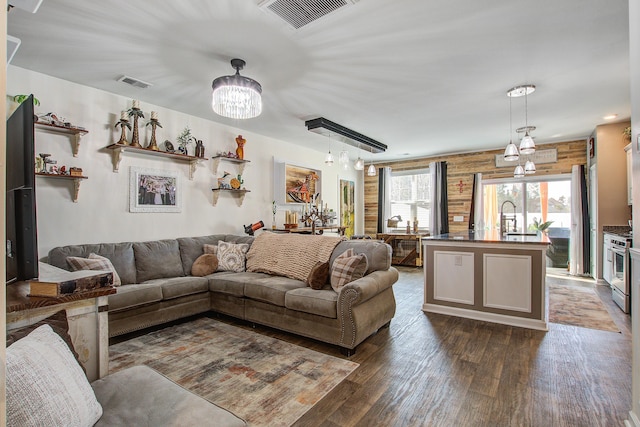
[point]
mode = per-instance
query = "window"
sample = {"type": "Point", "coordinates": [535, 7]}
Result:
{"type": "Point", "coordinates": [410, 198]}
{"type": "Point", "coordinates": [535, 201]}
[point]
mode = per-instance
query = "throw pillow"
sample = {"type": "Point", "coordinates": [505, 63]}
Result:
{"type": "Point", "coordinates": [231, 256]}
{"type": "Point", "coordinates": [204, 265]}
{"type": "Point", "coordinates": [210, 249]}
{"type": "Point", "coordinates": [319, 275]}
{"type": "Point", "coordinates": [347, 268]}
{"type": "Point", "coordinates": [45, 385]}
{"type": "Point", "coordinates": [59, 325]}
{"type": "Point", "coordinates": [94, 262]}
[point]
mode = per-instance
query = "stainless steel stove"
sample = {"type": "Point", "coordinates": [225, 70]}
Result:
{"type": "Point", "coordinates": [621, 277]}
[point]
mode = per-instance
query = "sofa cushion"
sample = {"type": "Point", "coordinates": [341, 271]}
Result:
{"type": "Point", "coordinates": [120, 255]}
{"type": "Point", "coordinates": [321, 302]}
{"type": "Point", "coordinates": [378, 253]}
{"type": "Point", "coordinates": [272, 289]}
{"type": "Point", "coordinates": [232, 257]}
{"type": "Point", "coordinates": [134, 295]}
{"type": "Point", "coordinates": [192, 247]}
{"type": "Point", "coordinates": [157, 259]}
{"type": "Point", "coordinates": [230, 283]}
{"type": "Point", "coordinates": [175, 287]}
{"type": "Point", "coordinates": [141, 396]}
{"type": "Point", "coordinates": [204, 265]}
{"type": "Point", "coordinates": [319, 275]}
{"type": "Point", "coordinates": [94, 262]}
{"type": "Point", "coordinates": [45, 384]}
{"type": "Point", "coordinates": [347, 268]}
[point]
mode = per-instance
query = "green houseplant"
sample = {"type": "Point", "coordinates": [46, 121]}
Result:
{"type": "Point", "coordinates": [541, 227]}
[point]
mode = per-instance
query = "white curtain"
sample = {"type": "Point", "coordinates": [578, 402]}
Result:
{"type": "Point", "coordinates": [386, 198]}
{"type": "Point", "coordinates": [436, 219]}
{"type": "Point", "coordinates": [576, 239]}
{"type": "Point", "coordinates": [478, 203]}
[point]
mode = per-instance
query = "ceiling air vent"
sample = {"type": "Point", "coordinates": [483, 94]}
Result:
{"type": "Point", "coordinates": [298, 13]}
{"type": "Point", "coordinates": [134, 82]}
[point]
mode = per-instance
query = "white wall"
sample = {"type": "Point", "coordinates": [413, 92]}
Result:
{"type": "Point", "coordinates": [102, 211]}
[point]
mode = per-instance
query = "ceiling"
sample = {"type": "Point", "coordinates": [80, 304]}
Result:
{"type": "Point", "coordinates": [423, 77]}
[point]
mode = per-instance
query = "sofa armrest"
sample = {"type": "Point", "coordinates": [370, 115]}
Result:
{"type": "Point", "coordinates": [368, 286]}
{"type": "Point", "coordinates": [365, 305]}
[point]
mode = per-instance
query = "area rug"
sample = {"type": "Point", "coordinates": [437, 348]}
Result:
{"type": "Point", "coordinates": [579, 306]}
{"type": "Point", "coordinates": [265, 381]}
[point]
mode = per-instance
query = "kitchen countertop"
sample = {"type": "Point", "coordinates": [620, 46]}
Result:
{"type": "Point", "coordinates": [493, 236]}
{"type": "Point", "coordinates": [618, 230]}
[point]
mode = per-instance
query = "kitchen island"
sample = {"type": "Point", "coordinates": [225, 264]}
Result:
{"type": "Point", "coordinates": [485, 276]}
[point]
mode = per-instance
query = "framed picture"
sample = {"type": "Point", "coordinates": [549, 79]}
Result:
{"type": "Point", "coordinates": [346, 192]}
{"type": "Point", "coordinates": [152, 190]}
{"type": "Point", "coordinates": [301, 184]}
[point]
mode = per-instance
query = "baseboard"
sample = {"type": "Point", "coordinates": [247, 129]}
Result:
{"type": "Point", "coordinates": [633, 420]}
{"type": "Point", "coordinates": [487, 317]}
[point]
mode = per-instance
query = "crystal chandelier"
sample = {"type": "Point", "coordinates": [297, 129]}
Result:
{"type": "Point", "coordinates": [236, 96]}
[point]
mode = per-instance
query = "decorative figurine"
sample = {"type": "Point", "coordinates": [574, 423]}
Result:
{"type": "Point", "coordinates": [136, 113]}
{"type": "Point", "coordinates": [153, 122]}
{"type": "Point", "coordinates": [123, 123]}
{"type": "Point", "coordinates": [168, 146]}
{"type": "Point", "coordinates": [240, 150]}
{"type": "Point", "coordinates": [224, 181]}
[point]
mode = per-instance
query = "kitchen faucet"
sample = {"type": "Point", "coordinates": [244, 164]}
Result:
{"type": "Point", "coordinates": [504, 219]}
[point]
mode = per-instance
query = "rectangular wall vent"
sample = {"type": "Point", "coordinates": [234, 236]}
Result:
{"type": "Point", "coordinates": [298, 13]}
{"type": "Point", "coordinates": [134, 82]}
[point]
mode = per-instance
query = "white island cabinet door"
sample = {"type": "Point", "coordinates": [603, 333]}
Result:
{"type": "Point", "coordinates": [453, 277]}
{"type": "Point", "coordinates": [507, 282]}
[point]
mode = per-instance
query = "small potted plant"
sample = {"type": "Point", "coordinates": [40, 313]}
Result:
{"type": "Point", "coordinates": [541, 227]}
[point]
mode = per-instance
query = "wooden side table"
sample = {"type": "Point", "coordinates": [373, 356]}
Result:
{"type": "Point", "coordinates": [407, 248]}
{"type": "Point", "coordinates": [87, 316]}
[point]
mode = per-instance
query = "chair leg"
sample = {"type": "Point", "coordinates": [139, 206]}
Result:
{"type": "Point", "coordinates": [347, 352]}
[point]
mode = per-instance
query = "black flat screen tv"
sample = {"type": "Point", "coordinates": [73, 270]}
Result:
{"type": "Point", "coordinates": [21, 224]}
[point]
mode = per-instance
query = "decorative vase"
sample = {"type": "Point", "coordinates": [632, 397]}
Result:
{"type": "Point", "coordinates": [199, 149]}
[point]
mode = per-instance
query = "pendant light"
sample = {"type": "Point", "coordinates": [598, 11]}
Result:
{"type": "Point", "coordinates": [236, 96]}
{"type": "Point", "coordinates": [329, 159]}
{"type": "Point", "coordinates": [519, 171]}
{"type": "Point", "coordinates": [358, 164]}
{"type": "Point", "coordinates": [511, 152]}
{"type": "Point", "coordinates": [371, 171]}
{"type": "Point", "coordinates": [529, 167]}
{"type": "Point", "coordinates": [527, 146]}
{"type": "Point", "coordinates": [343, 159]}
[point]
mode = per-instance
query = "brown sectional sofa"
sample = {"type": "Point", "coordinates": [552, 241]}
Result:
{"type": "Point", "coordinates": [157, 288]}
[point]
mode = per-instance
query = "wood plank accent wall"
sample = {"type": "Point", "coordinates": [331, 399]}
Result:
{"type": "Point", "coordinates": [461, 167]}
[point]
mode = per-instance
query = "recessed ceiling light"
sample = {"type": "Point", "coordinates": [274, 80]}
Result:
{"type": "Point", "coordinates": [610, 117]}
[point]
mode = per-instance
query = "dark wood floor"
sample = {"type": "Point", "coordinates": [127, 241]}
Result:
{"type": "Point", "coordinates": [436, 370]}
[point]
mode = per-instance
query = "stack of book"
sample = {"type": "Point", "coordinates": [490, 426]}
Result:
{"type": "Point", "coordinates": [56, 282]}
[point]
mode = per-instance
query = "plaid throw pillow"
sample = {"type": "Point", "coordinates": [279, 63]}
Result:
{"type": "Point", "coordinates": [94, 262]}
{"type": "Point", "coordinates": [347, 267]}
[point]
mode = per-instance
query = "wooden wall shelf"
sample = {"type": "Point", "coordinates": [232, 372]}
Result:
{"type": "Point", "coordinates": [118, 149]}
{"type": "Point", "coordinates": [77, 133]}
{"type": "Point", "coordinates": [76, 182]}
{"type": "Point", "coordinates": [238, 193]}
{"type": "Point", "coordinates": [216, 162]}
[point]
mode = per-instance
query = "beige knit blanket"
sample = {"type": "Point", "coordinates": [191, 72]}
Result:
{"type": "Point", "coordinates": [289, 255]}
